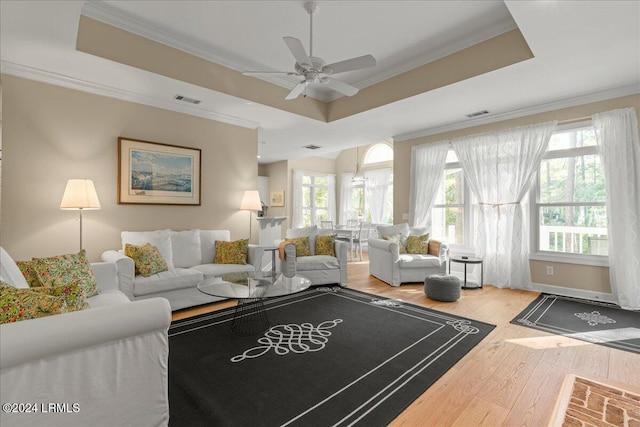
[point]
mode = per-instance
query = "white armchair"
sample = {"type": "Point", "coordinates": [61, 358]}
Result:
{"type": "Point", "coordinates": [389, 265]}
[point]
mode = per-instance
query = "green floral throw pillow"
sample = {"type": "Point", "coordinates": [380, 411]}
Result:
{"type": "Point", "coordinates": [418, 244]}
{"type": "Point", "coordinates": [24, 304]}
{"type": "Point", "coordinates": [399, 239]}
{"type": "Point", "coordinates": [73, 295]}
{"type": "Point", "coordinates": [147, 259]}
{"type": "Point", "coordinates": [231, 252]}
{"type": "Point", "coordinates": [302, 245]}
{"type": "Point", "coordinates": [66, 270]}
{"type": "Point", "coordinates": [325, 245]}
{"type": "Point", "coordinates": [30, 276]}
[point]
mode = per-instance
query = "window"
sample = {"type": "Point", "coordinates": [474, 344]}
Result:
{"type": "Point", "coordinates": [380, 152]}
{"type": "Point", "coordinates": [450, 211]}
{"type": "Point", "coordinates": [315, 199]}
{"type": "Point", "coordinates": [570, 196]}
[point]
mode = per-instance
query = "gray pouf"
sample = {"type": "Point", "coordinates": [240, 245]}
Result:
{"type": "Point", "coordinates": [442, 287]}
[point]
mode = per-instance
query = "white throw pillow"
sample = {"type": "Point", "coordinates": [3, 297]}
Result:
{"type": "Point", "coordinates": [208, 243]}
{"type": "Point", "coordinates": [9, 271]}
{"type": "Point", "coordinates": [158, 238]}
{"type": "Point", "coordinates": [185, 246]}
{"type": "Point", "coordinates": [310, 232]}
{"type": "Point", "coordinates": [390, 230]}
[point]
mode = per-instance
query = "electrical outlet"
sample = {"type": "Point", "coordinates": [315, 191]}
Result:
{"type": "Point", "coordinates": [405, 216]}
{"type": "Point", "coordinates": [549, 270]}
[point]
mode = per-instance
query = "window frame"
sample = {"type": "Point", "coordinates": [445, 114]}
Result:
{"type": "Point", "coordinates": [312, 186]}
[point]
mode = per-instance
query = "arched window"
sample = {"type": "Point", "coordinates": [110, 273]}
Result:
{"type": "Point", "coordinates": [380, 152]}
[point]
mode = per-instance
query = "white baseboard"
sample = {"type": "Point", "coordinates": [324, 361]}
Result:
{"type": "Point", "coordinates": [571, 292]}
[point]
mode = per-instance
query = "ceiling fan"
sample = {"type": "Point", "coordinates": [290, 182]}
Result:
{"type": "Point", "coordinates": [313, 68]}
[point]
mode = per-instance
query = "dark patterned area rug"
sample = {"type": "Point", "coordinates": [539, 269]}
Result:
{"type": "Point", "coordinates": [595, 322]}
{"type": "Point", "coordinates": [332, 356]}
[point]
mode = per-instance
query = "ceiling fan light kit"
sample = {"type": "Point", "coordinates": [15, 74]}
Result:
{"type": "Point", "coordinates": [313, 69]}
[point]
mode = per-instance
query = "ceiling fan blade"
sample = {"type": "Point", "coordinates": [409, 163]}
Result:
{"type": "Point", "coordinates": [253, 73]}
{"type": "Point", "coordinates": [297, 90]}
{"type": "Point", "coordinates": [365, 61]}
{"type": "Point", "coordinates": [338, 86]}
{"type": "Point", "coordinates": [297, 50]}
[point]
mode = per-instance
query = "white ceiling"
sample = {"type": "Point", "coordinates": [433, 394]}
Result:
{"type": "Point", "coordinates": [584, 51]}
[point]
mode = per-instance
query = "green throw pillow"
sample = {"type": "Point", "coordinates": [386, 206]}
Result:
{"type": "Point", "coordinates": [399, 239]}
{"type": "Point", "coordinates": [303, 248]}
{"type": "Point", "coordinates": [147, 259]}
{"type": "Point", "coordinates": [231, 252]}
{"type": "Point", "coordinates": [73, 295]}
{"type": "Point", "coordinates": [27, 271]}
{"type": "Point", "coordinates": [326, 245]}
{"type": "Point", "coordinates": [66, 270]}
{"type": "Point", "coordinates": [24, 304]}
{"type": "Point", "coordinates": [418, 244]}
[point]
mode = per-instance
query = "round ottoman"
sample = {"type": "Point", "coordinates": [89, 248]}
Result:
{"type": "Point", "coordinates": [442, 287]}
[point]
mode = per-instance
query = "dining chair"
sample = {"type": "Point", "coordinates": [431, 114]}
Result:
{"type": "Point", "coordinates": [352, 223]}
{"type": "Point", "coordinates": [362, 237]}
{"type": "Point", "coordinates": [327, 225]}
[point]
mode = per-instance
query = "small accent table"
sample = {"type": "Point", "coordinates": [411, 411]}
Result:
{"type": "Point", "coordinates": [466, 261]}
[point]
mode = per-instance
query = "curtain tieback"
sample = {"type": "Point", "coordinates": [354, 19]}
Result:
{"type": "Point", "coordinates": [497, 206]}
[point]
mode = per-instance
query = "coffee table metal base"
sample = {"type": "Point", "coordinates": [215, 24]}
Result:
{"type": "Point", "coordinates": [250, 317]}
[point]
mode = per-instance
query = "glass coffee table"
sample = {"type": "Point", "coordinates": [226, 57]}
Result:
{"type": "Point", "coordinates": [251, 289]}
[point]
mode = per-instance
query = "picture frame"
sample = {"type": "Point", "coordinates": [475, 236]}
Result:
{"type": "Point", "coordinates": [152, 173]}
{"type": "Point", "coordinates": [276, 198]}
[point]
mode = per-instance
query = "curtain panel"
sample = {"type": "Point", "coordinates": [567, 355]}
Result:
{"type": "Point", "coordinates": [427, 167]}
{"type": "Point", "coordinates": [499, 168]}
{"type": "Point", "coordinates": [296, 198]}
{"type": "Point", "coordinates": [375, 189]}
{"type": "Point", "coordinates": [619, 145]}
{"type": "Point", "coordinates": [345, 197]}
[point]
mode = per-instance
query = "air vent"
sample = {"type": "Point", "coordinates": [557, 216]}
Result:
{"type": "Point", "coordinates": [311, 147]}
{"type": "Point", "coordinates": [477, 113]}
{"type": "Point", "coordinates": [187, 99]}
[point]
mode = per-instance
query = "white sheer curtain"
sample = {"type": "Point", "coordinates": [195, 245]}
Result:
{"type": "Point", "coordinates": [427, 166]}
{"type": "Point", "coordinates": [375, 192]}
{"type": "Point", "coordinates": [345, 197]}
{"type": "Point", "coordinates": [619, 145]}
{"type": "Point", "coordinates": [331, 194]}
{"type": "Point", "coordinates": [296, 199]}
{"type": "Point", "coordinates": [499, 168]}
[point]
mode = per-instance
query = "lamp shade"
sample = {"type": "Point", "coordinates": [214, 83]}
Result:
{"type": "Point", "coordinates": [80, 194]}
{"type": "Point", "coordinates": [251, 201]}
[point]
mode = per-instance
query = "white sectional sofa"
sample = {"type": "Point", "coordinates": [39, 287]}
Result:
{"type": "Point", "coordinates": [189, 255]}
{"type": "Point", "coordinates": [103, 366]}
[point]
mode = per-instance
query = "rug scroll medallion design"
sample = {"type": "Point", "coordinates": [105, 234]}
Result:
{"type": "Point", "coordinates": [291, 338]}
{"type": "Point", "coordinates": [463, 326]}
{"type": "Point", "coordinates": [594, 318]}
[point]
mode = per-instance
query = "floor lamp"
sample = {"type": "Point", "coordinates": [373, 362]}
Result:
{"type": "Point", "coordinates": [251, 202]}
{"type": "Point", "coordinates": [80, 194]}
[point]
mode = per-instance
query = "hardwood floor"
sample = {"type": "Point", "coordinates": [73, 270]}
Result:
{"type": "Point", "coordinates": [512, 378]}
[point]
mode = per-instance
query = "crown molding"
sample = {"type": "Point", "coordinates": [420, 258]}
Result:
{"type": "Point", "coordinates": [529, 111]}
{"type": "Point", "coordinates": [48, 77]}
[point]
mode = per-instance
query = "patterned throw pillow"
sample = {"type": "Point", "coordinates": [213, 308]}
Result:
{"type": "Point", "coordinates": [66, 270]}
{"type": "Point", "coordinates": [326, 245]}
{"type": "Point", "coordinates": [231, 252]}
{"type": "Point", "coordinates": [24, 304]}
{"type": "Point", "coordinates": [74, 295]}
{"type": "Point", "coordinates": [28, 273]}
{"type": "Point", "coordinates": [147, 259]}
{"type": "Point", "coordinates": [418, 244]}
{"type": "Point", "coordinates": [399, 239]}
{"type": "Point", "coordinates": [302, 245]}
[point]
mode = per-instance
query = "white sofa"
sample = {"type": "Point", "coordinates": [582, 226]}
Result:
{"type": "Point", "coordinates": [389, 265]}
{"type": "Point", "coordinates": [320, 269]}
{"type": "Point", "coordinates": [103, 366]}
{"type": "Point", "coordinates": [189, 255]}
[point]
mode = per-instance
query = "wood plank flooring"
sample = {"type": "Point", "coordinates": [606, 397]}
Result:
{"type": "Point", "coordinates": [512, 378]}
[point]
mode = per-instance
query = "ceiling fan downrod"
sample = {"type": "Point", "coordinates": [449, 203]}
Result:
{"type": "Point", "coordinates": [311, 7]}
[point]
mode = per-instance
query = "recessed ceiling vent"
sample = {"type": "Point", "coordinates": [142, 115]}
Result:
{"type": "Point", "coordinates": [477, 113]}
{"type": "Point", "coordinates": [187, 99]}
{"type": "Point", "coordinates": [312, 147]}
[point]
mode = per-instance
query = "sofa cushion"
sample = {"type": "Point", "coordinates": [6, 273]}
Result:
{"type": "Point", "coordinates": [9, 271]}
{"type": "Point", "coordinates": [73, 295]}
{"type": "Point", "coordinates": [317, 262]}
{"type": "Point", "coordinates": [208, 240]}
{"type": "Point", "coordinates": [326, 245]}
{"type": "Point", "coordinates": [158, 238]}
{"type": "Point", "coordinates": [418, 261]}
{"type": "Point", "coordinates": [390, 230]}
{"type": "Point", "coordinates": [166, 281]}
{"type": "Point", "coordinates": [146, 258]}
{"type": "Point", "coordinates": [302, 245]}
{"type": "Point", "coordinates": [418, 244]}
{"type": "Point", "coordinates": [66, 270]}
{"type": "Point", "coordinates": [232, 252]}
{"type": "Point", "coordinates": [185, 246]}
{"type": "Point", "coordinates": [24, 304]}
{"type": "Point", "coordinates": [107, 297]}
{"type": "Point", "coordinates": [310, 232]}
{"type": "Point", "coordinates": [212, 270]}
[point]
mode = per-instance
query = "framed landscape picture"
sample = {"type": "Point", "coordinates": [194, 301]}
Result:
{"type": "Point", "coordinates": [277, 198]}
{"type": "Point", "coordinates": [157, 174]}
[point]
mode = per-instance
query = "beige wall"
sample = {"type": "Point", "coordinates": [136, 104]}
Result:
{"type": "Point", "coordinates": [574, 276]}
{"type": "Point", "coordinates": [52, 134]}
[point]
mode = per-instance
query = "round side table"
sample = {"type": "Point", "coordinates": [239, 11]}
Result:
{"type": "Point", "coordinates": [466, 261]}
